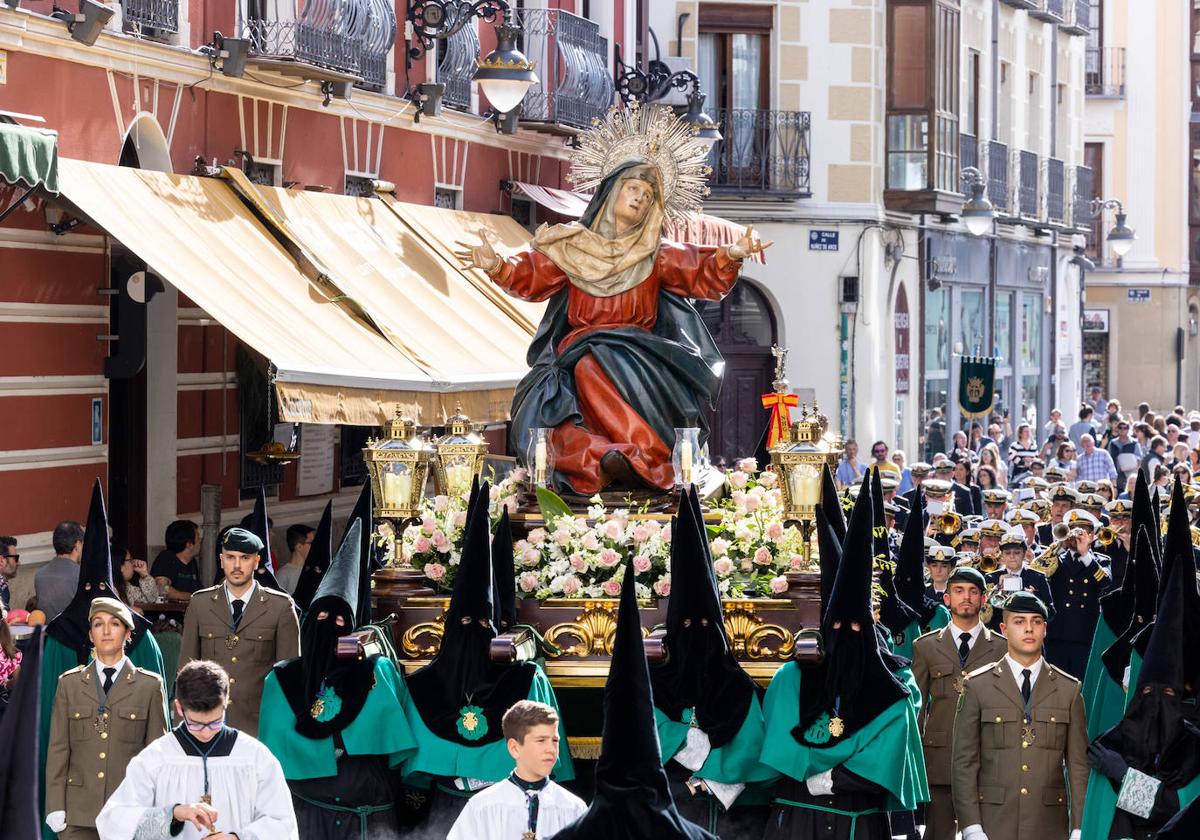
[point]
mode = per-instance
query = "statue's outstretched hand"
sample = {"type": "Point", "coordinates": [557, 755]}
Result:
{"type": "Point", "coordinates": [748, 245]}
{"type": "Point", "coordinates": [482, 255]}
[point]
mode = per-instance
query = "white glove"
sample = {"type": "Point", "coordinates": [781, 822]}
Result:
{"type": "Point", "coordinates": [975, 832]}
{"type": "Point", "coordinates": [726, 793]}
{"type": "Point", "coordinates": [1125, 678]}
{"type": "Point", "coordinates": [57, 820]}
{"type": "Point", "coordinates": [820, 784]}
{"type": "Point", "coordinates": [1076, 834]}
{"type": "Point", "coordinates": [695, 750]}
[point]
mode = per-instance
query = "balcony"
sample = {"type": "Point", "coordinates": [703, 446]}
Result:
{"type": "Point", "coordinates": [763, 153]}
{"type": "Point", "coordinates": [456, 66]}
{"type": "Point", "coordinates": [1104, 73]}
{"type": "Point", "coordinates": [997, 175]}
{"type": "Point", "coordinates": [326, 40]}
{"type": "Point", "coordinates": [150, 18]}
{"type": "Point", "coordinates": [968, 151]}
{"type": "Point", "coordinates": [575, 84]}
{"type": "Point", "coordinates": [1056, 182]}
{"type": "Point", "coordinates": [1027, 5]}
{"type": "Point", "coordinates": [1026, 166]}
{"type": "Point", "coordinates": [1082, 193]}
{"type": "Point", "coordinates": [1048, 11]}
{"type": "Point", "coordinates": [1078, 20]}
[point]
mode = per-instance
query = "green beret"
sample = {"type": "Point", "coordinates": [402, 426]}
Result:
{"type": "Point", "coordinates": [1026, 602]}
{"type": "Point", "coordinates": [239, 539]}
{"type": "Point", "coordinates": [967, 574]}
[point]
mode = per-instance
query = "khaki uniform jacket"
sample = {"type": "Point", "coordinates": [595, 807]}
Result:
{"type": "Point", "coordinates": [1017, 791]}
{"type": "Point", "coordinates": [940, 679]}
{"type": "Point", "coordinates": [86, 763]}
{"type": "Point", "coordinates": [267, 633]}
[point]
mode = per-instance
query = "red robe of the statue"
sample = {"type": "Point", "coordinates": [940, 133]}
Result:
{"type": "Point", "coordinates": [609, 421]}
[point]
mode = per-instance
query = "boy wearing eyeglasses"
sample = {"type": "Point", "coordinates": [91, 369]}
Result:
{"type": "Point", "coordinates": [104, 713]}
{"type": "Point", "coordinates": [203, 778]}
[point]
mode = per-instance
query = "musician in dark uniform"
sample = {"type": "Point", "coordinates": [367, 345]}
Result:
{"type": "Point", "coordinates": [943, 468]}
{"type": "Point", "coordinates": [1120, 519]}
{"type": "Point", "coordinates": [1027, 521]}
{"type": "Point", "coordinates": [939, 559]}
{"type": "Point", "coordinates": [1081, 578]}
{"type": "Point", "coordinates": [1062, 499]}
{"type": "Point", "coordinates": [995, 502]}
{"type": "Point", "coordinates": [1014, 575]}
{"type": "Point", "coordinates": [919, 472]}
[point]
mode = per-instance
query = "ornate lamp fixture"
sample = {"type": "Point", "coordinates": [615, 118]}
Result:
{"type": "Point", "coordinates": [460, 455]}
{"type": "Point", "coordinates": [637, 85]}
{"type": "Point", "coordinates": [1121, 237]}
{"type": "Point", "coordinates": [398, 463]}
{"type": "Point", "coordinates": [978, 213]}
{"type": "Point", "coordinates": [797, 459]}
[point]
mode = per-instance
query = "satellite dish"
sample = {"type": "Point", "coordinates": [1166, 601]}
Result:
{"type": "Point", "coordinates": [136, 286]}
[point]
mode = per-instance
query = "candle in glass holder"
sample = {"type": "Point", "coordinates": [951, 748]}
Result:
{"type": "Point", "coordinates": [539, 459]}
{"type": "Point", "coordinates": [685, 460]}
{"type": "Point", "coordinates": [402, 488]}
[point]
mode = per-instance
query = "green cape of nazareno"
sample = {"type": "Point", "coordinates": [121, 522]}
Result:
{"type": "Point", "coordinates": [1135, 669]}
{"type": "Point", "coordinates": [379, 729]}
{"type": "Point", "coordinates": [1101, 804]}
{"type": "Point", "coordinates": [57, 659]}
{"type": "Point", "coordinates": [940, 619]}
{"type": "Point", "coordinates": [1103, 699]}
{"type": "Point", "coordinates": [905, 648]}
{"type": "Point", "coordinates": [731, 764]}
{"type": "Point", "coordinates": [436, 756]}
{"type": "Point", "coordinates": [887, 751]}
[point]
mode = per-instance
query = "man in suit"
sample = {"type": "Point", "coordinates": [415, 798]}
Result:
{"type": "Point", "coordinates": [1015, 576]}
{"type": "Point", "coordinates": [1019, 721]}
{"type": "Point", "coordinates": [104, 713]}
{"type": "Point", "coordinates": [1082, 577]}
{"type": "Point", "coordinates": [55, 583]}
{"type": "Point", "coordinates": [941, 661]}
{"type": "Point", "coordinates": [241, 625]}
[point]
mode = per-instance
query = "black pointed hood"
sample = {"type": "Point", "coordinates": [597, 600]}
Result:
{"type": "Point", "coordinates": [1117, 607]}
{"type": "Point", "coordinates": [910, 565]}
{"type": "Point", "coordinates": [70, 627]}
{"type": "Point", "coordinates": [259, 525]}
{"type": "Point", "coordinates": [462, 695]}
{"type": "Point", "coordinates": [1141, 577]}
{"type": "Point", "coordinates": [701, 680]}
{"type": "Point", "coordinates": [313, 680]}
{"type": "Point", "coordinates": [894, 612]}
{"type": "Point", "coordinates": [20, 814]}
{"type": "Point", "coordinates": [830, 526]}
{"type": "Point", "coordinates": [504, 575]}
{"type": "Point", "coordinates": [320, 555]}
{"type": "Point", "coordinates": [370, 560]}
{"type": "Point", "coordinates": [633, 798]}
{"type": "Point", "coordinates": [831, 503]}
{"type": "Point", "coordinates": [855, 682]}
{"type": "Point", "coordinates": [1177, 550]}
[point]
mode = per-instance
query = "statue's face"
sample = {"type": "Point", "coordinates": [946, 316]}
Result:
{"type": "Point", "coordinates": [633, 202]}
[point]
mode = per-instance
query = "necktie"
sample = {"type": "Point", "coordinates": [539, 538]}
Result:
{"type": "Point", "coordinates": [1026, 691]}
{"type": "Point", "coordinates": [109, 673]}
{"type": "Point", "coordinates": [531, 791]}
{"type": "Point", "coordinates": [964, 647]}
{"type": "Point", "coordinates": [237, 611]}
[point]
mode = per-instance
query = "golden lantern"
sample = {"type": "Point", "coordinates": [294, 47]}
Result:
{"type": "Point", "coordinates": [797, 459]}
{"type": "Point", "coordinates": [398, 463]}
{"type": "Point", "coordinates": [460, 454]}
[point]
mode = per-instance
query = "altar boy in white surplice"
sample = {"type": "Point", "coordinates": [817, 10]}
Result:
{"type": "Point", "coordinates": [201, 779]}
{"type": "Point", "coordinates": [527, 805]}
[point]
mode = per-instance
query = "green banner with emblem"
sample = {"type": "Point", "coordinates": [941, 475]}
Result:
{"type": "Point", "coordinates": [976, 386]}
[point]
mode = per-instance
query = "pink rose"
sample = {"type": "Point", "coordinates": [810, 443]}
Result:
{"type": "Point", "coordinates": [578, 563]}
{"type": "Point", "coordinates": [640, 534]}
{"type": "Point", "coordinates": [748, 465]}
{"type": "Point", "coordinates": [422, 545]}
{"type": "Point", "coordinates": [537, 535]}
{"type": "Point", "coordinates": [590, 541]}
{"type": "Point", "coordinates": [428, 524]}
{"type": "Point", "coordinates": [529, 581]}
{"type": "Point", "coordinates": [762, 556]}
{"type": "Point", "coordinates": [720, 547]}
{"type": "Point", "coordinates": [666, 533]}
{"type": "Point", "coordinates": [440, 542]}
{"type": "Point", "coordinates": [751, 503]}
{"type": "Point", "coordinates": [796, 563]}
{"type": "Point", "coordinates": [612, 587]}
{"type": "Point", "coordinates": [435, 571]}
{"type": "Point", "coordinates": [519, 474]}
{"type": "Point", "coordinates": [723, 567]}
{"type": "Point", "coordinates": [779, 585]}
{"type": "Point", "coordinates": [531, 557]}
{"type": "Point", "coordinates": [662, 586]}
{"type": "Point", "coordinates": [571, 585]}
{"type": "Point", "coordinates": [460, 519]}
{"type": "Point", "coordinates": [609, 558]}
{"type": "Point", "coordinates": [775, 531]}
{"type": "Point", "coordinates": [773, 498]}
{"type": "Point", "coordinates": [440, 503]}
{"type": "Point", "coordinates": [562, 536]}
{"type": "Point", "coordinates": [768, 479]}
{"type": "Point", "coordinates": [641, 564]}
{"type": "Point", "coordinates": [742, 531]}
{"type": "Point", "coordinates": [612, 529]}
{"type": "Point", "coordinates": [510, 504]}
{"type": "Point", "coordinates": [738, 479]}
{"type": "Point", "coordinates": [494, 493]}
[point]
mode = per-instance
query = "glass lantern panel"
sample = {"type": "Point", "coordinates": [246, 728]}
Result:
{"type": "Point", "coordinates": [458, 475]}
{"type": "Point", "coordinates": [396, 479]}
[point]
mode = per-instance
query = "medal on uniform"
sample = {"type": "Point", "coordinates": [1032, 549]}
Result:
{"type": "Point", "coordinates": [960, 685]}
{"type": "Point", "coordinates": [231, 641]}
{"type": "Point", "coordinates": [101, 722]}
{"type": "Point", "coordinates": [1028, 735]}
{"type": "Point", "coordinates": [472, 722]}
{"type": "Point", "coordinates": [529, 835]}
{"type": "Point", "coordinates": [836, 726]}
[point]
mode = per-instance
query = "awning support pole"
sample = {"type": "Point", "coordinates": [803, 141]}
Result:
{"type": "Point", "coordinates": [8, 211]}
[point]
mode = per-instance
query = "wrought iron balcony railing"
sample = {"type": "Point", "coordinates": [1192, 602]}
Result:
{"type": "Point", "coordinates": [1082, 193]}
{"type": "Point", "coordinates": [1104, 72]}
{"type": "Point", "coordinates": [997, 175]}
{"type": "Point", "coordinates": [151, 18]}
{"type": "Point", "coordinates": [575, 85]}
{"type": "Point", "coordinates": [1079, 16]}
{"type": "Point", "coordinates": [456, 66]}
{"type": "Point", "coordinates": [762, 152]}
{"type": "Point", "coordinates": [1050, 11]}
{"type": "Point", "coordinates": [1026, 164]}
{"type": "Point", "coordinates": [968, 154]}
{"type": "Point", "coordinates": [1056, 177]}
{"type": "Point", "coordinates": [349, 36]}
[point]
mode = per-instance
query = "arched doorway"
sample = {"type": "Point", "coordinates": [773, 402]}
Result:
{"type": "Point", "coordinates": [743, 325]}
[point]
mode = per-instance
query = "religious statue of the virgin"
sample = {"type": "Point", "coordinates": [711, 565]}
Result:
{"type": "Point", "coordinates": [621, 358]}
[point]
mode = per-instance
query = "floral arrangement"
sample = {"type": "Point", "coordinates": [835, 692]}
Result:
{"type": "Point", "coordinates": [434, 545]}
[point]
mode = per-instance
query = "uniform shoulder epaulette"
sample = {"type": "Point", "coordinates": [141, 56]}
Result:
{"type": "Point", "coordinates": [276, 592]}
{"type": "Point", "coordinates": [927, 634]}
{"type": "Point", "coordinates": [1061, 672]}
{"type": "Point", "coordinates": [206, 590]}
{"type": "Point", "coordinates": [147, 672]}
{"type": "Point", "coordinates": [76, 670]}
{"type": "Point", "coordinates": [982, 669]}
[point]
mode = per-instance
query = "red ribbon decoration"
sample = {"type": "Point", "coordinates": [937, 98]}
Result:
{"type": "Point", "coordinates": [781, 416]}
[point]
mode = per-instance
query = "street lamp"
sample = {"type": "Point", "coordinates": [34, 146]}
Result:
{"type": "Point", "coordinates": [1121, 237]}
{"type": "Point", "coordinates": [637, 85]}
{"type": "Point", "coordinates": [504, 74]}
{"type": "Point", "coordinates": [978, 213]}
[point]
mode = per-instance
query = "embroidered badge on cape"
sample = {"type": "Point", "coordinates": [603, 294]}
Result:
{"type": "Point", "coordinates": [326, 706]}
{"type": "Point", "coordinates": [472, 723]}
{"type": "Point", "coordinates": [818, 733]}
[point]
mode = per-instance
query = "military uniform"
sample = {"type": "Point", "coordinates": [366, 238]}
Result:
{"type": "Point", "coordinates": [1076, 589]}
{"type": "Point", "coordinates": [1008, 774]}
{"type": "Point", "coordinates": [267, 632]}
{"type": "Point", "coordinates": [940, 674]}
{"type": "Point", "coordinates": [89, 747]}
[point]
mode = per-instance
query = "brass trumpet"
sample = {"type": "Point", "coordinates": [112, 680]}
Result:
{"type": "Point", "coordinates": [1107, 536]}
{"type": "Point", "coordinates": [1047, 561]}
{"type": "Point", "coordinates": [988, 563]}
{"type": "Point", "coordinates": [948, 523]}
